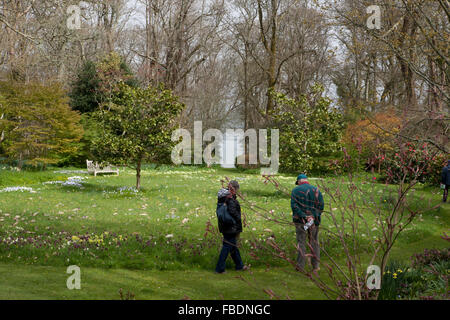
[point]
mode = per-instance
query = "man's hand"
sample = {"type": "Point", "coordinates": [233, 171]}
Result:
{"type": "Point", "coordinates": [309, 223]}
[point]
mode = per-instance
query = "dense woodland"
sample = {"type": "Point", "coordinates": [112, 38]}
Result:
{"type": "Point", "coordinates": [314, 69]}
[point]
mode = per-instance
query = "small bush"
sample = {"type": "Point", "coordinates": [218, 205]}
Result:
{"type": "Point", "coordinates": [429, 256]}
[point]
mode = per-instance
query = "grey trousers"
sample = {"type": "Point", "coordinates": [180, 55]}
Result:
{"type": "Point", "coordinates": [313, 239]}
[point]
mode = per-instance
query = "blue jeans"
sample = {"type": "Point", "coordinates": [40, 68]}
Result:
{"type": "Point", "coordinates": [229, 246]}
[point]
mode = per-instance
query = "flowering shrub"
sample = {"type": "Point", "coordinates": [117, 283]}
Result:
{"type": "Point", "coordinates": [435, 168]}
{"type": "Point", "coordinates": [413, 162]}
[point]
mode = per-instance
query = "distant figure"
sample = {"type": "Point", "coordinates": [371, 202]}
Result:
{"type": "Point", "coordinates": [307, 206]}
{"type": "Point", "coordinates": [230, 232]}
{"type": "Point", "coordinates": [446, 180]}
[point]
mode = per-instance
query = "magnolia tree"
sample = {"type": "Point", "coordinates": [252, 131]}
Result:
{"type": "Point", "coordinates": [135, 126]}
{"type": "Point", "coordinates": [310, 129]}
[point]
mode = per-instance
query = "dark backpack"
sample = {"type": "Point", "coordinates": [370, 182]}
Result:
{"type": "Point", "coordinates": [223, 216]}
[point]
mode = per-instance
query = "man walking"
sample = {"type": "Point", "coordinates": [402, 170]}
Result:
{"type": "Point", "coordinates": [230, 232]}
{"type": "Point", "coordinates": [307, 205]}
{"type": "Point", "coordinates": [446, 180]}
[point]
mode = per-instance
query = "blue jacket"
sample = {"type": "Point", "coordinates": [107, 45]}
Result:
{"type": "Point", "coordinates": [306, 200]}
{"type": "Point", "coordinates": [446, 175]}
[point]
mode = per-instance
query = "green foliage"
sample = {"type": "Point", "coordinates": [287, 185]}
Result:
{"type": "Point", "coordinates": [90, 132]}
{"type": "Point", "coordinates": [437, 162]}
{"type": "Point", "coordinates": [84, 96]}
{"type": "Point", "coordinates": [434, 284]}
{"type": "Point", "coordinates": [95, 82]}
{"type": "Point", "coordinates": [427, 279]}
{"type": "Point", "coordinates": [136, 126]}
{"type": "Point", "coordinates": [393, 280]}
{"type": "Point", "coordinates": [111, 71]}
{"type": "Point", "coordinates": [10, 176]}
{"type": "Point", "coordinates": [414, 160]}
{"type": "Point", "coordinates": [38, 125]}
{"type": "Point", "coordinates": [309, 130]}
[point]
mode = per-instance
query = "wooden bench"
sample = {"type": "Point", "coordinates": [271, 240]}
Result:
{"type": "Point", "coordinates": [96, 168]}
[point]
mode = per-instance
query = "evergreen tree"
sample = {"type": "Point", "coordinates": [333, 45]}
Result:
{"type": "Point", "coordinates": [309, 130]}
{"type": "Point", "coordinates": [136, 125]}
{"type": "Point", "coordinates": [84, 96]}
{"type": "Point", "coordinates": [96, 82]}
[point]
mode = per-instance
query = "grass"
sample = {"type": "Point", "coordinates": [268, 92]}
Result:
{"type": "Point", "coordinates": [46, 282]}
{"type": "Point", "coordinates": [155, 242]}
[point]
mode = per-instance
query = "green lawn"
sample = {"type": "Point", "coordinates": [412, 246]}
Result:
{"type": "Point", "coordinates": [155, 242]}
{"type": "Point", "coordinates": [41, 282]}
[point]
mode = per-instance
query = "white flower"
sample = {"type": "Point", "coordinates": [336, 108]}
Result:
{"type": "Point", "coordinates": [169, 236]}
{"type": "Point", "coordinates": [21, 189]}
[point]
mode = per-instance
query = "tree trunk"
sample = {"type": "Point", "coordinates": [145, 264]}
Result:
{"type": "Point", "coordinates": [273, 55]}
{"type": "Point", "coordinates": [270, 48]}
{"type": "Point", "coordinates": [408, 32]}
{"type": "Point", "coordinates": [138, 174]}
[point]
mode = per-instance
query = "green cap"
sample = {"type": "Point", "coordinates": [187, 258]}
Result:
{"type": "Point", "coordinates": [302, 176]}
